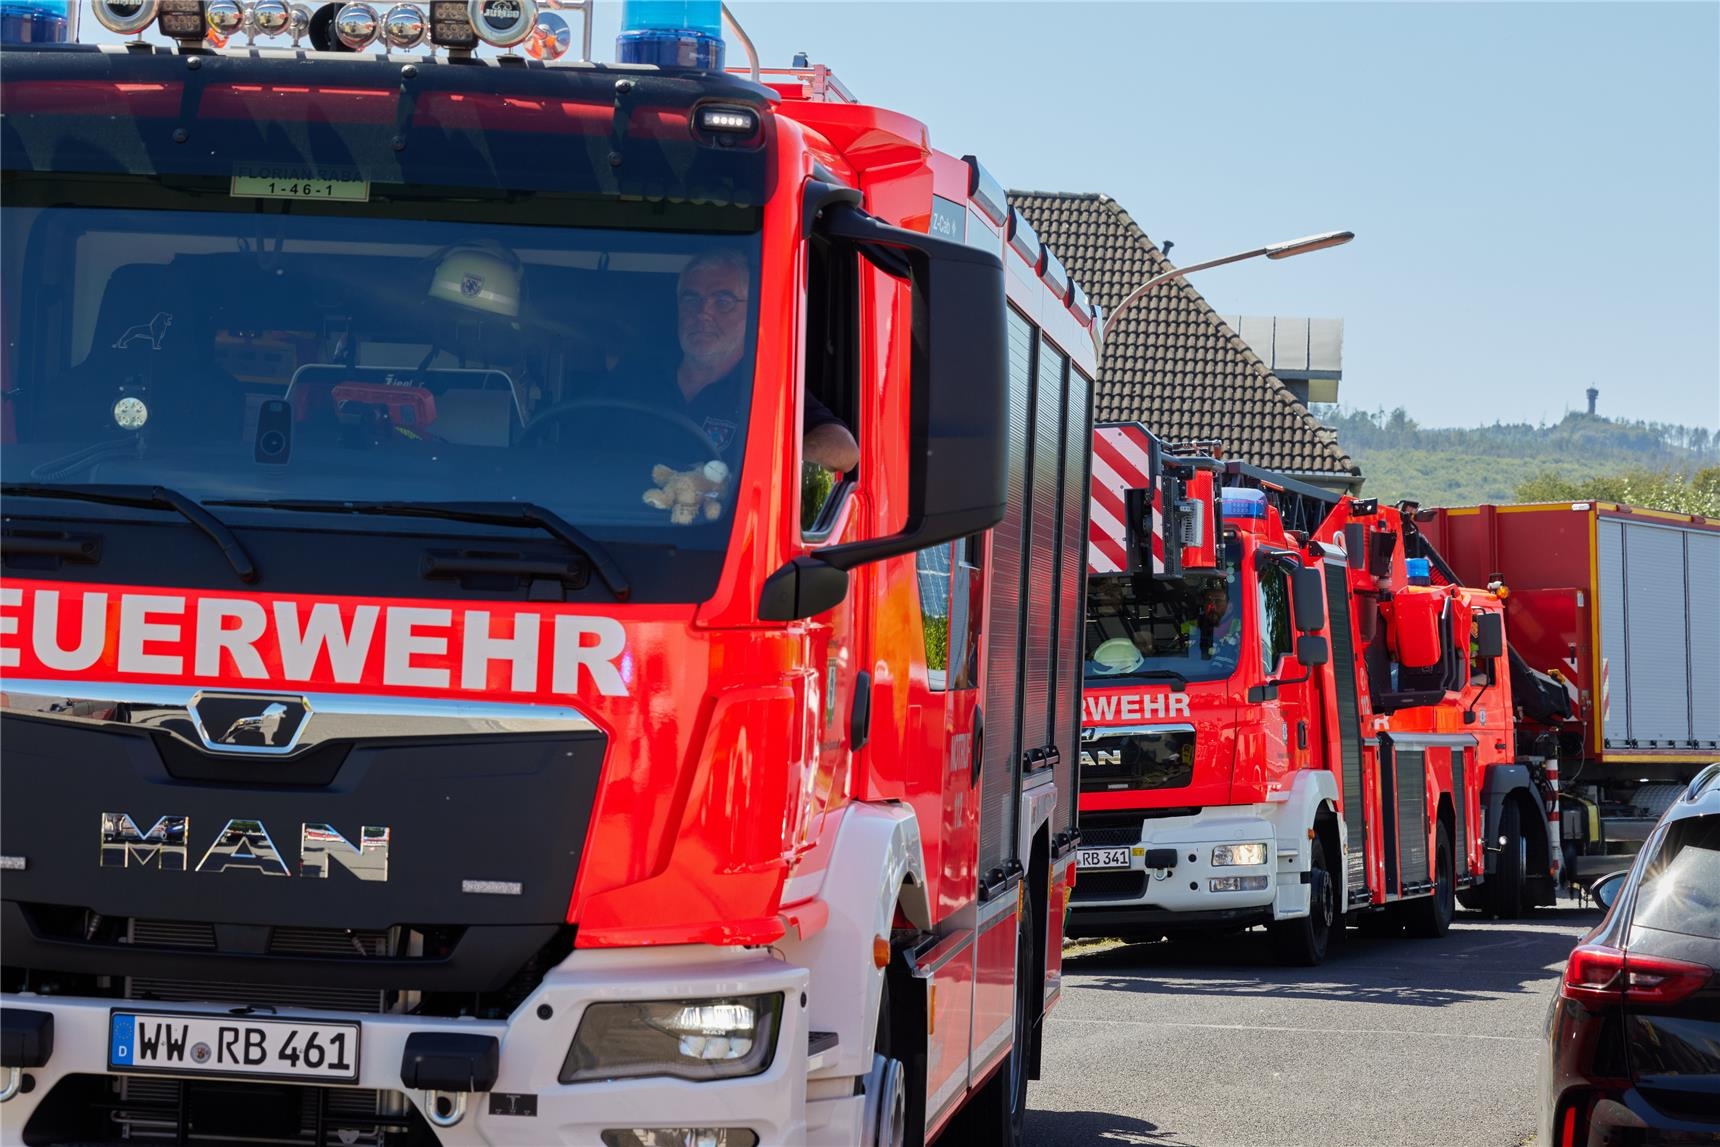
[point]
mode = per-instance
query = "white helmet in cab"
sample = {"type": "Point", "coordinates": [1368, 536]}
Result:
{"type": "Point", "coordinates": [480, 276]}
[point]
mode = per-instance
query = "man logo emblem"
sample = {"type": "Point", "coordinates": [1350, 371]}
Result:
{"type": "Point", "coordinates": [470, 285]}
{"type": "Point", "coordinates": [249, 722]}
{"type": "Point", "coordinates": [267, 724]}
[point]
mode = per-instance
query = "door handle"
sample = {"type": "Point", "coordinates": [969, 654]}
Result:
{"type": "Point", "coordinates": [860, 712]}
{"type": "Point", "coordinates": [978, 747]}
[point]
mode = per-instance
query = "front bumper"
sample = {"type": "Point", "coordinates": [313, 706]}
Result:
{"type": "Point", "coordinates": [1182, 895]}
{"type": "Point", "coordinates": [533, 1044]}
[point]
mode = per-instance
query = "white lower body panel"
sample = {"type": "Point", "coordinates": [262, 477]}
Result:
{"type": "Point", "coordinates": [534, 1042]}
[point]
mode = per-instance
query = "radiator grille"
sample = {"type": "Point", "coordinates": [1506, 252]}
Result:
{"type": "Point", "coordinates": [1110, 837]}
{"type": "Point", "coordinates": [328, 942]}
{"type": "Point", "coordinates": [148, 1112]}
{"type": "Point", "coordinates": [277, 995]}
{"type": "Point", "coordinates": [283, 941]}
{"type": "Point", "coordinates": [1109, 886]}
{"type": "Point", "coordinates": [150, 1108]}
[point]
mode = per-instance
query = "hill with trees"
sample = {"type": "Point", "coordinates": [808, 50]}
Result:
{"type": "Point", "coordinates": [1665, 465]}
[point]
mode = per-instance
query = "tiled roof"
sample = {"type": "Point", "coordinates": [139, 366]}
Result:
{"type": "Point", "coordinates": [1172, 362]}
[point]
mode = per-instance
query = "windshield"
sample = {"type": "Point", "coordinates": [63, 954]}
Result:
{"type": "Point", "coordinates": [267, 355]}
{"type": "Point", "coordinates": [1139, 626]}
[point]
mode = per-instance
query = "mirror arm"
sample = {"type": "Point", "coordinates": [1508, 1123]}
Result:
{"type": "Point", "coordinates": [816, 197]}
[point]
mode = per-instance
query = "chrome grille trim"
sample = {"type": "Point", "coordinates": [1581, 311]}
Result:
{"type": "Point", "coordinates": [334, 716]}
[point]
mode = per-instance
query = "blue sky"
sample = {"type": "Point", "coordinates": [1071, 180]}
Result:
{"type": "Point", "coordinates": [1535, 187]}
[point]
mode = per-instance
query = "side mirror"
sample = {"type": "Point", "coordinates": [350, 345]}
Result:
{"type": "Point", "coordinates": [1356, 546]}
{"type": "Point", "coordinates": [1381, 546]}
{"type": "Point", "coordinates": [1490, 635]}
{"type": "Point", "coordinates": [1312, 650]}
{"type": "Point", "coordinates": [958, 410]}
{"type": "Point", "coordinates": [1605, 889]}
{"type": "Point", "coordinates": [1308, 599]}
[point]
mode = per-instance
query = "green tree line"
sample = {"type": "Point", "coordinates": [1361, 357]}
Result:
{"type": "Point", "coordinates": [1580, 457]}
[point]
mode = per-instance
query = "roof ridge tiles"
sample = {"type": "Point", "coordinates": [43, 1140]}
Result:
{"type": "Point", "coordinates": [1178, 336]}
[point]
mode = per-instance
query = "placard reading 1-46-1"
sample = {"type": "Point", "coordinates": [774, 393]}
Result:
{"type": "Point", "coordinates": [343, 185]}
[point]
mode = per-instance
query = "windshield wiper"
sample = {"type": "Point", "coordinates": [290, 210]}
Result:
{"type": "Point", "coordinates": [1163, 675]}
{"type": "Point", "coordinates": [149, 498]}
{"type": "Point", "coordinates": [480, 513]}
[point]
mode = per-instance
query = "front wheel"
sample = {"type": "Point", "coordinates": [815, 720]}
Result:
{"type": "Point", "coordinates": [1430, 917]}
{"type": "Point", "coordinates": [886, 1119]}
{"type": "Point", "coordinates": [1303, 942]}
{"type": "Point", "coordinates": [1505, 887]}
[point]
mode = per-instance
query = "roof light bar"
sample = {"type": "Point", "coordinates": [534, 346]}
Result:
{"type": "Point", "coordinates": [357, 26]}
{"type": "Point", "coordinates": [224, 17]}
{"type": "Point", "coordinates": [550, 38]}
{"type": "Point", "coordinates": [270, 17]}
{"type": "Point", "coordinates": [183, 21]}
{"type": "Point", "coordinates": [403, 27]}
{"type": "Point", "coordinates": [502, 23]}
{"type": "Point", "coordinates": [124, 17]}
{"type": "Point", "coordinates": [450, 27]}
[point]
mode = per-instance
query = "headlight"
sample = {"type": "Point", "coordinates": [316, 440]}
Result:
{"type": "Point", "coordinates": [689, 1039]}
{"type": "Point", "coordinates": [1236, 854]}
{"type": "Point", "coordinates": [1238, 883]}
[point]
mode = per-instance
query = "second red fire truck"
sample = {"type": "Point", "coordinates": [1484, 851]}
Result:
{"type": "Point", "coordinates": [1291, 717]}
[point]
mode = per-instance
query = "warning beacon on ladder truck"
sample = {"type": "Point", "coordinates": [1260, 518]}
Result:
{"type": "Point", "coordinates": [1293, 715]}
{"type": "Point", "coordinates": [422, 584]}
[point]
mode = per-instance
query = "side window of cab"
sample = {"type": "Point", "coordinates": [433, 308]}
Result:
{"type": "Point", "coordinates": [1276, 639]}
{"type": "Point", "coordinates": [832, 377]}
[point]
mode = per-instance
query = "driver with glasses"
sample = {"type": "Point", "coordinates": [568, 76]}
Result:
{"type": "Point", "coordinates": [711, 320]}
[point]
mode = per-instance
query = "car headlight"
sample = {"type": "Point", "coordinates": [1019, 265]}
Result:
{"type": "Point", "coordinates": [688, 1039]}
{"type": "Point", "coordinates": [1235, 854]}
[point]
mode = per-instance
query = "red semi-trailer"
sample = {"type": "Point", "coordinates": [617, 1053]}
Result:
{"type": "Point", "coordinates": [1290, 718]}
{"type": "Point", "coordinates": [431, 717]}
{"type": "Point", "coordinates": [1621, 605]}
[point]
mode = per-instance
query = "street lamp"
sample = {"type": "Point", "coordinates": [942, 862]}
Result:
{"type": "Point", "coordinates": [1273, 251]}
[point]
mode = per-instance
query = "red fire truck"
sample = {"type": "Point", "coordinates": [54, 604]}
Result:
{"type": "Point", "coordinates": [1291, 717]}
{"type": "Point", "coordinates": [1620, 605]}
{"type": "Point", "coordinates": [445, 700]}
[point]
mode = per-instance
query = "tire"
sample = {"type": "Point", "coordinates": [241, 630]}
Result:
{"type": "Point", "coordinates": [1505, 887]}
{"type": "Point", "coordinates": [996, 1115]}
{"type": "Point", "coordinates": [886, 1119]}
{"type": "Point", "coordinates": [1303, 942]}
{"type": "Point", "coordinates": [1429, 918]}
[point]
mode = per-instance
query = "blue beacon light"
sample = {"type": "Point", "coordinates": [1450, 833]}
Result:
{"type": "Point", "coordinates": [1418, 571]}
{"type": "Point", "coordinates": [39, 21]}
{"type": "Point", "coordinates": [1243, 503]}
{"type": "Point", "coordinates": [672, 34]}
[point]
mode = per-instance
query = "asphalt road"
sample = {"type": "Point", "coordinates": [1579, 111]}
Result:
{"type": "Point", "coordinates": [1390, 1042]}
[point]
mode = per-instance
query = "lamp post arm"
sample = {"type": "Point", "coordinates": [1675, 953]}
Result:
{"type": "Point", "coordinates": [1275, 251]}
{"type": "Point", "coordinates": [1169, 276]}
